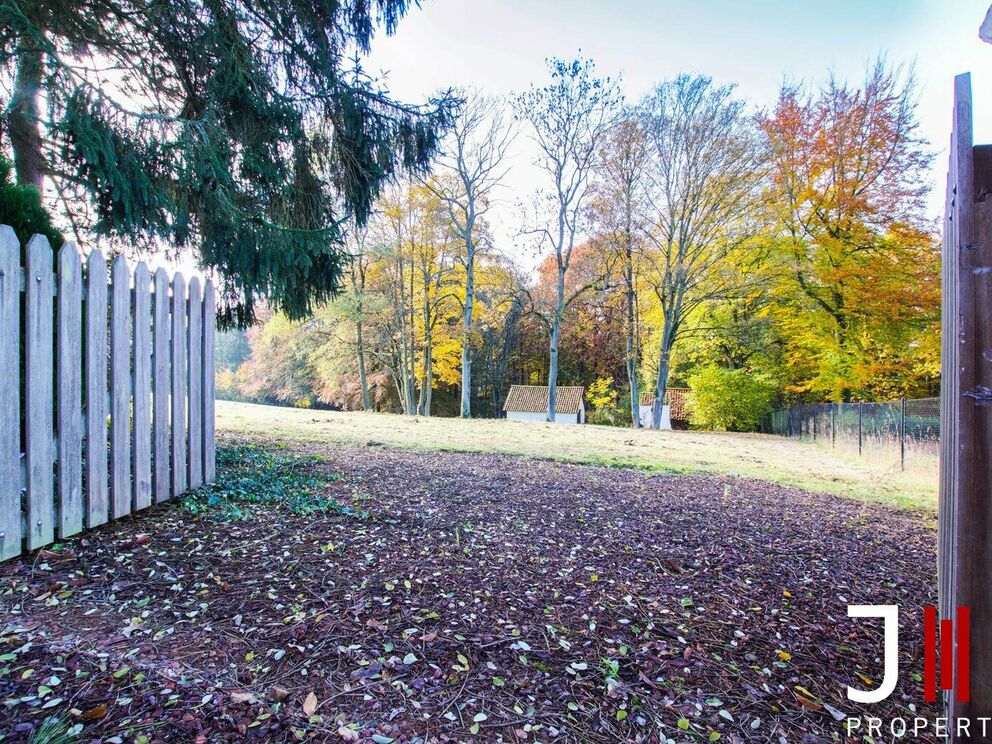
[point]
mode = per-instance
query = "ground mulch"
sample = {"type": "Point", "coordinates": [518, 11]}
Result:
{"type": "Point", "coordinates": [471, 597]}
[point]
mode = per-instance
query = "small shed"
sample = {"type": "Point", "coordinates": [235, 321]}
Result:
{"type": "Point", "coordinates": [675, 412]}
{"type": "Point", "coordinates": [530, 403]}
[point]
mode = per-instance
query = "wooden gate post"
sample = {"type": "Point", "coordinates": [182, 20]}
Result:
{"type": "Point", "coordinates": [965, 518]}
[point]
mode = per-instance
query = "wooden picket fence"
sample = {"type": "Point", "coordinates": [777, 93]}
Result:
{"type": "Point", "coordinates": [58, 404]}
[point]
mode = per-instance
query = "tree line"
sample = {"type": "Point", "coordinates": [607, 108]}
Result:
{"type": "Point", "coordinates": [775, 255]}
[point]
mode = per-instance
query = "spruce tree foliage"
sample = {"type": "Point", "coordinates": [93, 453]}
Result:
{"type": "Point", "coordinates": [245, 130]}
{"type": "Point", "coordinates": [21, 208]}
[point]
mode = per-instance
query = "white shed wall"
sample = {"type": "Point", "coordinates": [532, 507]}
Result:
{"type": "Point", "coordinates": [644, 412]}
{"type": "Point", "coordinates": [560, 418]}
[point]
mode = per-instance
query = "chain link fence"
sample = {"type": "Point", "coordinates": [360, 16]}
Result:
{"type": "Point", "coordinates": [905, 433]}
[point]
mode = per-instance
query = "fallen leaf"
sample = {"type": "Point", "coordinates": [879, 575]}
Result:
{"type": "Point", "coordinates": [310, 704]}
{"type": "Point", "coordinates": [95, 714]}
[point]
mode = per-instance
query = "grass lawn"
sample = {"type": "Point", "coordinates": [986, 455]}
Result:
{"type": "Point", "coordinates": [777, 459]}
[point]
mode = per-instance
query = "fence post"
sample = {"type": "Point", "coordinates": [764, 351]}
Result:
{"type": "Point", "coordinates": [964, 559]}
{"type": "Point", "coordinates": [833, 424]}
{"type": "Point", "coordinates": [860, 418]}
{"type": "Point", "coordinates": [902, 433]}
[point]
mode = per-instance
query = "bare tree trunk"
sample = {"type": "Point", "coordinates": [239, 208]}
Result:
{"type": "Point", "coordinates": [631, 347]}
{"type": "Point", "coordinates": [406, 347]}
{"type": "Point", "coordinates": [553, 370]}
{"type": "Point", "coordinates": [664, 367]}
{"type": "Point", "coordinates": [427, 386]}
{"type": "Point", "coordinates": [555, 337]}
{"type": "Point", "coordinates": [632, 370]}
{"type": "Point", "coordinates": [659, 392]}
{"type": "Point", "coordinates": [23, 117]}
{"type": "Point", "coordinates": [358, 286]}
{"type": "Point", "coordinates": [363, 377]}
{"type": "Point", "coordinates": [411, 356]}
{"type": "Point", "coordinates": [466, 405]}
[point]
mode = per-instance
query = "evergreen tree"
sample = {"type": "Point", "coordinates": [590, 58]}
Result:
{"type": "Point", "coordinates": [238, 128]}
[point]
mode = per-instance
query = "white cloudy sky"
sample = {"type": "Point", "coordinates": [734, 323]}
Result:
{"type": "Point", "coordinates": [500, 46]}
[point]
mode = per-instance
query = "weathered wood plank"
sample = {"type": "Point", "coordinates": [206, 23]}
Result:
{"type": "Point", "coordinates": [195, 385]}
{"type": "Point", "coordinates": [39, 392]}
{"type": "Point", "coordinates": [163, 383]}
{"type": "Point", "coordinates": [69, 354]}
{"type": "Point", "coordinates": [965, 560]}
{"type": "Point", "coordinates": [209, 382]}
{"type": "Point", "coordinates": [141, 453]}
{"type": "Point", "coordinates": [11, 535]}
{"type": "Point", "coordinates": [120, 388]}
{"type": "Point", "coordinates": [178, 384]}
{"type": "Point", "coordinates": [97, 504]}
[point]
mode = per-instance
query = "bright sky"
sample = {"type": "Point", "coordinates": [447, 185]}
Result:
{"type": "Point", "coordinates": [500, 46]}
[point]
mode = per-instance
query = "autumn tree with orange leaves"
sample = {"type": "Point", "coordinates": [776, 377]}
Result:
{"type": "Point", "coordinates": [856, 260]}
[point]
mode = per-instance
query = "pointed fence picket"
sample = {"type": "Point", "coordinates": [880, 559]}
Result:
{"type": "Point", "coordinates": [109, 401]}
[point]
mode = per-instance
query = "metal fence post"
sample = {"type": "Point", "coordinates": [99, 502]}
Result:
{"type": "Point", "coordinates": [902, 433]}
{"type": "Point", "coordinates": [860, 417]}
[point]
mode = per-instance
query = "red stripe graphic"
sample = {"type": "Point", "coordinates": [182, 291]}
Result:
{"type": "Point", "coordinates": [930, 654]}
{"type": "Point", "coordinates": [963, 660]}
{"type": "Point", "coordinates": [946, 654]}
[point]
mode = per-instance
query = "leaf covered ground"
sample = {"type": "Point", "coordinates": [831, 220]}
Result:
{"type": "Point", "coordinates": [467, 597]}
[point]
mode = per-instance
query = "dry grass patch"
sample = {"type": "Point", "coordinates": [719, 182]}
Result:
{"type": "Point", "coordinates": [780, 460]}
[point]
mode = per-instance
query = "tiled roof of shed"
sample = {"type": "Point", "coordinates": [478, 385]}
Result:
{"type": "Point", "coordinates": [534, 399]}
{"type": "Point", "coordinates": [674, 397]}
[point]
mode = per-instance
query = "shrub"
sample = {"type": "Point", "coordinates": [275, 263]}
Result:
{"type": "Point", "coordinates": [21, 208]}
{"type": "Point", "coordinates": [603, 398]}
{"type": "Point", "coordinates": [728, 399]}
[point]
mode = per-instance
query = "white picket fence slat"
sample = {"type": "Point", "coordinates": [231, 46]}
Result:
{"type": "Point", "coordinates": [209, 435]}
{"type": "Point", "coordinates": [178, 384]}
{"type": "Point", "coordinates": [69, 352]}
{"type": "Point", "coordinates": [162, 383]}
{"type": "Point", "coordinates": [141, 454]}
{"type": "Point", "coordinates": [120, 394]}
{"type": "Point", "coordinates": [158, 396]}
{"type": "Point", "coordinates": [39, 390]}
{"type": "Point", "coordinates": [195, 395]}
{"type": "Point", "coordinates": [11, 519]}
{"type": "Point", "coordinates": [97, 504]}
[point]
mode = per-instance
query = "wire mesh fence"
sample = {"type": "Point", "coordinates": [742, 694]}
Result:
{"type": "Point", "coordinates": [905, 433]}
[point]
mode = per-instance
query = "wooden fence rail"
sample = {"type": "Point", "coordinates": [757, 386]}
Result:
{"type": "Point", "coordinates": [965, 517]}
{"type": "Point", "coordinates": [106, 390]}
